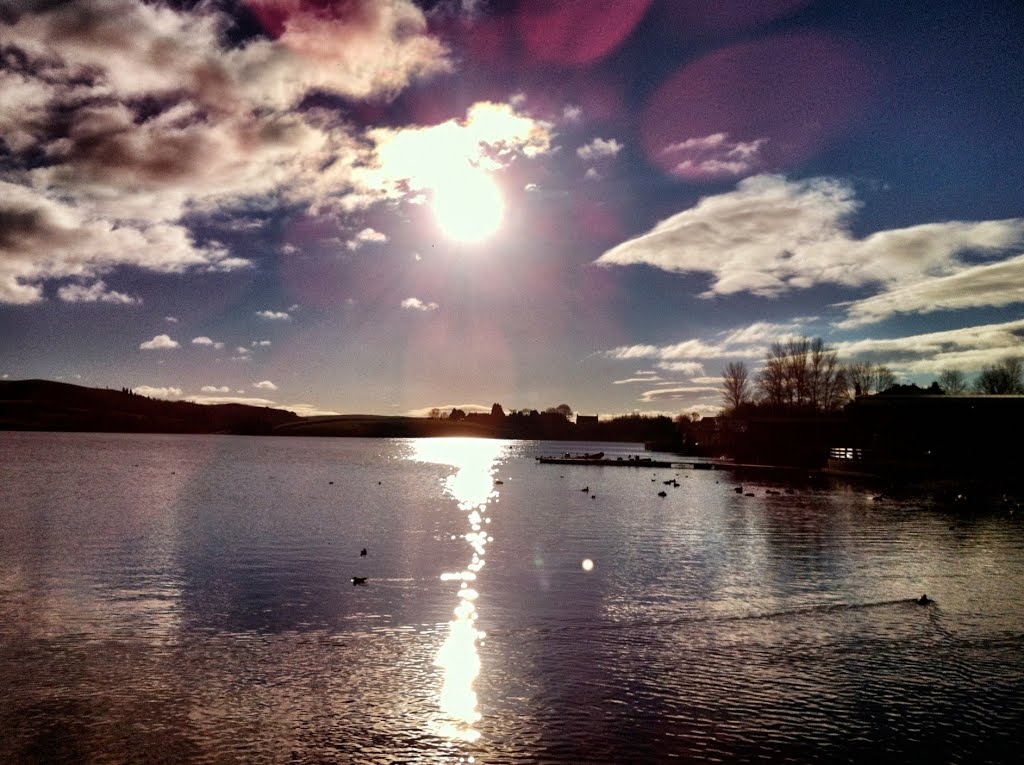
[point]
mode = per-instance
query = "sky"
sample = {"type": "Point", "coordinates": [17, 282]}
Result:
{"type": "Point", "coordinates": [384, 206]}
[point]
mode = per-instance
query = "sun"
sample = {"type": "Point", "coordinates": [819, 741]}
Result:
{"type": "Point", "coordinates": [468, 206]}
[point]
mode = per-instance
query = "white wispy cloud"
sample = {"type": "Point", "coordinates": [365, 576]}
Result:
{"type": "Point", "coordinates": [968, 349]}
{"type": "Point", "coordinates": [203, 340]}
{"type": "Point", "coordinates": [166, 392]}
{"type": "Point", "coordinates": [599, 148]}
{"type": "Point", "coordinates": [572, 113]}
{"type": "Point", "coordinates": [171, 319]}
{"type": "Point", "coordinates": [215, 389]}
{"type": "Point", "coordinates": [415, 304]}
{"type": "Point", "coordinates": [772, 235]}
{"type": "Point", "coordinates": [366, 236]}
{"type": "Point", "coordinates": [260, 343]}
{"type": "Point", "coordinates": [682, 393]}
{"type": "Point", "coordinates": [988, 285]}
{"type": "Point", "coordinates": [160, 342]}
{"type": "Point", "coordinates": [274, 315]}
{"type": "Point", "coordinates": [97, 292]}
{"type": "Point", "coordinates": [685, 367]}
{"type": "Point", "coordinates": [628, 380]}
{"type": "Point", "coordinates": [714, 155]}
{"type": "Point", "coordinates": [446, 408]}
{"type": "Point", "coordinates": [408, 161]}
{"type": "Point", "coordinates": [265, 385]}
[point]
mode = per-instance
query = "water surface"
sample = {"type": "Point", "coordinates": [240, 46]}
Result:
{"type": "Point", "coordinates": [189, 599]}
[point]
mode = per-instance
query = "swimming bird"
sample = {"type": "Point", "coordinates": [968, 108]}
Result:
{"type": "Point", "coordinates": [738, 490]}
{"type": "Point", "coordinates": [585, 488]}
{"type": "Point", "coordinates": [358, 580]}
{"type": "Point", "coordinates": [662, 494]}
{"type": "Point", "coordinates": [362, 553]}
{"type": "Point", "coordinates": [924, 600]}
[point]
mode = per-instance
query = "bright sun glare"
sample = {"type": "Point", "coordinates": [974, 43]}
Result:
{"type": "Point", "coordinates": [468, 206]}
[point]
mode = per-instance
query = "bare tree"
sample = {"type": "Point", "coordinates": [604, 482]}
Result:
{"type": "Point", "coordinates": [826, 386]}
{"type": "Point", "coordinates": [953, 382]}
{"type": "Point", "coordinates": [735, 385]}
{"type": "Point", "coordinates": [865, 378]}
{"type": "Point", "coordinates": [884, 378]}
{"type": "Point", "coordinates": [802, 374]}
{"type": "Point", "coordinates": [1006, 377]}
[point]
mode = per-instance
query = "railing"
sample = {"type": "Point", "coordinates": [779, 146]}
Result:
{"type": "Point", "coordinates": [847, 453]}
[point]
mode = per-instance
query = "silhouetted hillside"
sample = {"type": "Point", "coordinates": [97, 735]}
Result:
{"type": "Point", "coordinates": [46, 405]}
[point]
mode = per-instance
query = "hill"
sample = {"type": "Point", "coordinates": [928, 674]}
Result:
{"type": "Point", "coordinates": [47, 405]}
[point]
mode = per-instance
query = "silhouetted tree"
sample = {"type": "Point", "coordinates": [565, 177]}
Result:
{"type": "Point", "coordinates": [1006, 377]}
{"type": "Point", "coordinates": [456, 414]}
{"type": "Point", "coordinates": [735, 386]}
{"type": "Point", "coordinates": [864, 378]}
{"type": "Point", "coordinates": [435, 413]}
{"type": "Point", "coordinates": [565, 410]}
{"type": "Point", "coordinates": [802, 374]}
{"type": "Point", "coordinates": [953, 382]}
{"type": "Point", "coordinates": [497, 411]}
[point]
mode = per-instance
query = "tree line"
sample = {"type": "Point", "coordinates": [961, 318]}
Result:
{"type": "Point", "coordinates": [805, 375]}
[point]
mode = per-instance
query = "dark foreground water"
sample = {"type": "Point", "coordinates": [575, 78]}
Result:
{"type": "Point", "coordinates": [189, 599]}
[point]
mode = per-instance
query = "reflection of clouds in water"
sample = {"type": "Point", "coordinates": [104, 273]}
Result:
{"type": "Point", "coordinates": [472, 487]}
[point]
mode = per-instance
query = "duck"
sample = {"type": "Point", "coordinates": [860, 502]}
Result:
{"type": "Point", "coordinates": [662, 494]}
{"type": "Point", "coordinates": [358, 580]}
{"type": "Point", "coordinates": [924, 600]}
{"type": "Point", "coordinates": [362, 553]}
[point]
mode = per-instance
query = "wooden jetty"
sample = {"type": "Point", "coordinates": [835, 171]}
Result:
{"type": "Point", "coordinates": [605, 461]}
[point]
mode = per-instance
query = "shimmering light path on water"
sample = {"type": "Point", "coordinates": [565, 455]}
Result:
{"type": "Point", "coordinates": [189, 599]}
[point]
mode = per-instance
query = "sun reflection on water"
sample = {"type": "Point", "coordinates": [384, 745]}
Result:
{"type": "Point", "coordinates": [472, 487]}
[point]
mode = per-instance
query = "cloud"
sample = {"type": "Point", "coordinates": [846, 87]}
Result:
{"type": "Point", "coordinates": [571, 113]}
{"type": "Point", "coordinates": [415, 304]}
{"type": "Point", "coordinates": [995, 284]}
{"type": "Point", "coordinates": [260, 343]}
{"type": "Point", "coordinates": [678, 394]}
{"type": "Point", "coordinates": [159, 342]}
{"type": "Point", "coordinates": [967, 348]}
{"type": "Point", "coordinates": [242, 350]}
{"type": "Point", "coordinates": [714, 155]}
{"type": "Point", "coordinates": [592, 175]}
{"type": "Point", "coordinates": [144, 113]}
{"type": "Point", "coordinates": [171, 319]}
{"type": "Point", "coordinates": [274, 315]}
{"type": "Point", "coordinates": [165, 393]}
{"type": "Point", "coordinates": [215, 389]}
{"type": "Point", "coordinates": [628, 380]}
{"type": "Point", "coordinates": [686, 367]}
{"type": "Point", "coordinates": [232, 400]}
{"type": "Point", "coordinates": [97, 292]}
{"type": "Point", "coordinates": [203, 340]}
{"type": "Point", "coordinates": [265, 385]}
{"type": "Point", "coordinates": [366, 236]}
{"type": "Point", "coordinates": [411, 160]}
{"type": "Point", "coordinates": [771, 236]}
{"type": "Point", "coordinates": [41, 239]}
{"type": "Point", "coordinates": [599, 148]}
{"type": "Point", "coordinates": [446, 408]}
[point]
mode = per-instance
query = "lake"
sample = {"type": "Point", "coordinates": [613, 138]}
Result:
{"type": "Point", "coordinates": [190, 599]}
